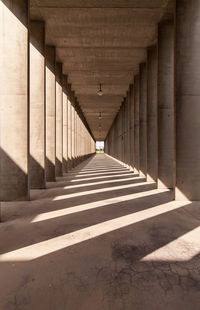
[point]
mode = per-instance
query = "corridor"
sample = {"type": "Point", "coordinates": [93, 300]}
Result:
{"type": "Point", "coordinates": [100, 238]}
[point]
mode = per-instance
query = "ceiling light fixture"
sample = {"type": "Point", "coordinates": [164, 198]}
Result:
{"type": "Point", "coordinates": [100, 92]}
{"type": "Point", "coordinates": [100, 116]}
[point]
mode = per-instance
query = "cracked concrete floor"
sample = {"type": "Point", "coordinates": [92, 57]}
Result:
{"type": "Point", "coordinates": [100, 238]}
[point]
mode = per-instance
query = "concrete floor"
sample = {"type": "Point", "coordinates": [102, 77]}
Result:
{"type": "Point", "coordinates": [100, 238]}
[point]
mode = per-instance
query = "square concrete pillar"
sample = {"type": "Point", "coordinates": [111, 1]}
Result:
{"type": "Point", "coordinates": [118, 139]}
{"type": "Point", "coordinates": [73, 129]}
{"type": "Point", "coordinates": [123, 132]}
{"type": "Point", "coordinates": [187, 73]}
{"type": "Point", "coordinates": [50, 114]}
{"type": "Point", "coordinates": [37, 105]}
{"type": "Point", "coordinates": [132, 127]}
{"type": "Point", "coordinates": [152, 113]}
{"type": "Point", "coordinates": [75, 133]}
{"type": "Point", "coordinates": [69, 118]}
{"type": "Point", "coordinates": [14, 140]}
{"type": "Point", "coordinates": [65, 125]}
{"type": "Point", "coordinates": [59, 120]}
{"type": "Point", "coordinates": [166, 137]}
{"type": "Point", "coordinates": [120, 134]}
{"type": "Point", "coordinates": [77, 137]}
{"type": "Point", "coordinates": [129, 128]}
{"type": "Point", "coordinates": [136, 124]}
{"type": "Point", "coordinates": [143, 119]}
{"type": "Point", "coordinates": [128, 149]}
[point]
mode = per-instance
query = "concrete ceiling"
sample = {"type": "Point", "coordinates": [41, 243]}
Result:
{"type": "Point", "coordinates": [100, 41]}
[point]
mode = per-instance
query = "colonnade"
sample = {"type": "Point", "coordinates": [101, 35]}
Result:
{"type": "Point", "coordinates": [159, 118]}
{"type": "Point", "coordinates": [44, 133]}
{"type": "Point", "coordinates": [43, 130]}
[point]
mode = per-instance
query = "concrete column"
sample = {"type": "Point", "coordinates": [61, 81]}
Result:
{"type": "Point", "coordinates": [59, 120]}
{"type": "Point", "coordinates": [77, 134]}
{"type": "Point", "coordinates": [69, 117]}
{"type": "Point", "coordinates": [120, 134]}
{"type": "Point", "coordinates": [81, 138]}
{"type": "Point", "coordinates": [187, 100]}
{"type": "Point", "coordinates": [81, 141]}
{"type": "Point", "coordinates": [116, 136]}
{"type": "Point", "coordinates": [65, 125]}
{"type": "Point", "coordinates": [143, 119]}
{"type": "Point", "coordinates": [37, 105]}
{"type": "Point", "coordinates": [132, 127]}
{"type": "Point", "coordinates": [129, 127]}
{"type": "Point", "coordinates": [50, 114]}
{"type": "Point", "coordinates": [124, 132]}
{"type": "Point", "coordinates": [128, 149]}
{"type": "Point", "coordinates": [14, 100]}
{"type": "Point", "coordinates": [152, 106]}
{"type": "Point", "coordinates": [75, 137]}
{"type": "Point", "coordinates": [136, 124]}
{"type": "Point", "coordinates": [72, 128]}
{"type": "Point", "coordinates": [84, 143]}
{"type": "Point", "coordinates": [78, 142]}
{"type": "Point", "coordinates": [166, 105]}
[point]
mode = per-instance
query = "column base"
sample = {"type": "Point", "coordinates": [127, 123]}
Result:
{"type": "Point", "coordinates": [150, 179]}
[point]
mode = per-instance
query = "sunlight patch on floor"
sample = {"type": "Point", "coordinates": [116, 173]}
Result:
{"type": "Point", "coordinates": [122, 172]}
{"type": "Point", "coordinates": [43, 248]}
{"type": "Point", "coordinates": [102, 190]}
{"type": "Point", "coordinates": [103, 182]}
{"type": "Point", "coordinates": [96, 204]}
{"type": "Point", "coordinates": [98, 171]}
{"type": "Point", "coordinates": [104, 177]}
{"type": "Point", "coordinates": [183, 248]}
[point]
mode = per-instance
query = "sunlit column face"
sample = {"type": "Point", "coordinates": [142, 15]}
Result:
{"type": "Point", "coordinates": [69, 131]}
{"type": "Point", "coordinates": [14, 101]}
{"type": "Point", "coordinates": [59, 122]}
{"type": "Point", "coordinates": [37, 105]}
{"type": "Point", "coordinates": [50, 114]}
{"type": "Point", "coordinates": [72, 128]}
{"type": "Point", "coordinates": [65, 131]}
